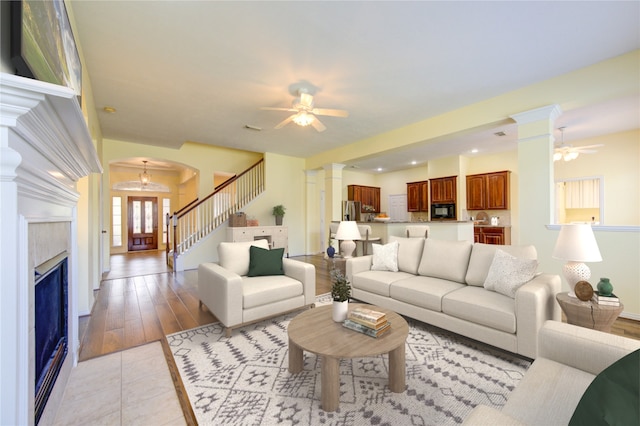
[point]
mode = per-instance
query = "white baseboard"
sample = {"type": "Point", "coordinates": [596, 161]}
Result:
{"type": "Point", "coordinates": [630, 315]}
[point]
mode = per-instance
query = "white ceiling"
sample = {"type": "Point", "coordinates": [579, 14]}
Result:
{"type": "Point", "coordinates": [199, 71]}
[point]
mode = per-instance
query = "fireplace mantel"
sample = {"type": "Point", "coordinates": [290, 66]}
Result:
{"type": "Point", "coordinates": [45, 148]}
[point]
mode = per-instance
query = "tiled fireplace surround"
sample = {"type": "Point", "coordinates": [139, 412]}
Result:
{"type": "Point", "coordinates": [45, 148]}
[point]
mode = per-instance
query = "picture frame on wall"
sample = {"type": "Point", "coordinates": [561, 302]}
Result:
{"type": "Point", "coordinates": [42, 44]}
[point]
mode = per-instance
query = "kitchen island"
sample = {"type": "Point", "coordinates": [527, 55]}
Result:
{"type": "Point", "coordinates": [438, 229]}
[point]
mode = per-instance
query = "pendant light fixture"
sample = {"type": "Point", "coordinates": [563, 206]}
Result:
{"type": "Point", "coordinates": [145, 177]}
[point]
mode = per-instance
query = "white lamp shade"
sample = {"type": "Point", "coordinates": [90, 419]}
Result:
{"type": "Point", "coordinates": [348, 230]}
{"type": "Point", "coordinates": [576, 242]}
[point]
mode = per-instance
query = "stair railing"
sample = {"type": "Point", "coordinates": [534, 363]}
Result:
{"type": "Point", "coordinates": [204, 216]}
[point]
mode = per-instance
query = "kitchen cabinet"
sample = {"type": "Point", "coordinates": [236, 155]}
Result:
{"type": "Point", "coordinates": [367, 195]}
{"type": "Point", "coordinates": [492, 235]}
{"type": "Point", "coordinates": [488, 191]}
{"type": "Point", "coordinates": [443, 190]}
{"type": "Point", "coordinates": [418, 196]}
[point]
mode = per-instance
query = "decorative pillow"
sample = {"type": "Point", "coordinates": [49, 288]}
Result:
{"type": "Point", "coordinates": [508, 273]}
{"type": "Point", "coordinates": [445, 259]}
{"type": "Point", "coordinates": [265, 262]}
{"type": "Point", "coordinates": [385, 257]}
{"type": "Point", "coordinates": [482, 256]}
{"type": "Point", "coordinates": [409, 253]}
{"type": "Point", "coordinates": [235, 256]}
{"type": "Point", "coordinates": [612, 397]}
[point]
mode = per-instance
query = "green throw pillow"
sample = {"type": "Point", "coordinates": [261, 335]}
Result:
{"type": "Point", "coordinates": [613, 396]}
{"type": "Point", "coordinates": [265, 262]}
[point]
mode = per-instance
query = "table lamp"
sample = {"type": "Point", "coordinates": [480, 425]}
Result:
{"type": "Point", "coordinates": [576, 244]}
{"type": "Point", "coordinates": [347, 233]}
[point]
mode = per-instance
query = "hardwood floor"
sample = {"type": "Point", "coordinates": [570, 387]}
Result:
{"type": "Point", "coordinates": [147, 303]}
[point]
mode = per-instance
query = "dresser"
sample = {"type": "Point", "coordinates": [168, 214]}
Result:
{"type": "Point", "coordinates": [277, 236]}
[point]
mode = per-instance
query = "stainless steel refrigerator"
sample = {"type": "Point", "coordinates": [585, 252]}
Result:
{"type": "Point", "coordinates": [351, 210]}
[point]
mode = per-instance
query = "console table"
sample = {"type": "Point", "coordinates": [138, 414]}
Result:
{"type": "Point", "coordinates": [277, 236]}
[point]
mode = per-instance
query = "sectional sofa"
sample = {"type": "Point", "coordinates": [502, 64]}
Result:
{"type": "Point", "coordinates": [489, 293]}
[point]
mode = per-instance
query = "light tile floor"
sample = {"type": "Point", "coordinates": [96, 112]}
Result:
{"type": "Point", "coordinates": [132, 387]}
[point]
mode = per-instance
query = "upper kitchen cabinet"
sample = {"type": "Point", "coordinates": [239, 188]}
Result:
{"type": "Point", "coordinates": [488, 191]}
{"type": "Point", "coordinates": [367, 195]}
{"type": "Point", "coordinates": [418, 196]}
{"type": "Point", "coordinates": [443, 190]}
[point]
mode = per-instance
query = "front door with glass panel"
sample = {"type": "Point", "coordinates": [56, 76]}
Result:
{"type": "Point", "coordinates": [143, 223]}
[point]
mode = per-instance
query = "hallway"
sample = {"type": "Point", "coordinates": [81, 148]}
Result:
{"type": "Point", "coordinates": [125, 265]}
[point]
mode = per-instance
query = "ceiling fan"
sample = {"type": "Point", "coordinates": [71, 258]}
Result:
{"type": "Point", "coordinates": [304, 113]}
{"type": "Point", "coordinates": [569, 152]}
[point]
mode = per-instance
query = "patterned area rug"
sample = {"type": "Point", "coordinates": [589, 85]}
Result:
{"type": "Point", "coordinates": [244, 380]}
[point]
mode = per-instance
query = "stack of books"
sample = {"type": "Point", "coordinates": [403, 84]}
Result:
{"type": "Point", "coordinates": [605, 300]}
{"type": "Point", "coordinates": [367, 321]}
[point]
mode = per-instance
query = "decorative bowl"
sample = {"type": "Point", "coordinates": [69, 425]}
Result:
{"type": "Point", "coordinates": [381, 219]}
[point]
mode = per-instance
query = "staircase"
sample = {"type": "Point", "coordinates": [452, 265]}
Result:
{"type": "Point", "coordinates": [200, 218]}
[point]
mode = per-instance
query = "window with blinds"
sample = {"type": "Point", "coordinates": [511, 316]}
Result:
{"type": "Point", "coordinates": [582, 194]}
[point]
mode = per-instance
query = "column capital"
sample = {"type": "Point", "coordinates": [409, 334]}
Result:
{"type": "Point", "coordinates": [549, 112]}
{"type": "Point", "coordinates": [9, 162]}
{"type": "Point", "coordinates": [335, 167]}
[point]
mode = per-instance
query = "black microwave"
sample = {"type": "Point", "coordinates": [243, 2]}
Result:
{"type": "Point", "coordinates": [443, 211]}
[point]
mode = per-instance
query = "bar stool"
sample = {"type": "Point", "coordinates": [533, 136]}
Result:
{"type": "Point", "coordinates": [419, 231]}
{"type": "Point", "coordinates": [365, 231]}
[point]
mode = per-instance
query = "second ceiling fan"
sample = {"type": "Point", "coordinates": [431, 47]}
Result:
{"type": "Point", "coordinates": [569, 152]}
{"type": "Point", "coordinates": [304, 113]}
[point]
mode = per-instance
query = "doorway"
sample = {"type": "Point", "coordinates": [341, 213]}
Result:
{"type": "Point", "coordinates": [142, 229]}
{"type": "Point", "coordinates": [398, 208]}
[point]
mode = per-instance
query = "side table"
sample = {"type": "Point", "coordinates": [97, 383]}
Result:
{"type": "Point", "coordinates": [588, 314]}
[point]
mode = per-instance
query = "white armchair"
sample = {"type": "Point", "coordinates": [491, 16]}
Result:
{"type": "Point", "coordinates": [237, 299]}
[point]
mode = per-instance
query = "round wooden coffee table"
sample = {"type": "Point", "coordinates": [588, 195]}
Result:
{"type": "Point", "coordinates": [315, 331]}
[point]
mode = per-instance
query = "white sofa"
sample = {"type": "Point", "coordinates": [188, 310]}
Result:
{"type": "Point", "coordinates": [441, 283]}
{"type": "Point", "coordinates": [237, 299]}
{"type": "Point", "coordinates": [569, 358]}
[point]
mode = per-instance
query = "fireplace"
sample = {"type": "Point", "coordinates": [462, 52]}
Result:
{"type": "Point", "coordinates": [51, 327]}
{"type": "Point", "coordinates": [46, 150]}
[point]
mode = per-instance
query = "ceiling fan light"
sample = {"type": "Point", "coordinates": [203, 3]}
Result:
{"type": "Point", "coordinates": [303, 119]}
{"type": "Point", "coordinates": [557, 156]}
{"type": "Point", "coordinates": [570, 156]}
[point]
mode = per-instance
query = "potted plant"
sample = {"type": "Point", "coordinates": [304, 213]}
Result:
{"type": "Point", "coordinates": [278, 212]}
{"type": "Point", "coordinates": [340, 292]}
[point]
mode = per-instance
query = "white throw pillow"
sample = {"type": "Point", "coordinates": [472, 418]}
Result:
{"type": "Point", "coordinates": [385, 257]}
{"type": "Point", "coordinates": [235, 256]}
{"type": "Point", "coordinates": [508, 273]}
{"type": "Point", "coordinates": [409, 253]}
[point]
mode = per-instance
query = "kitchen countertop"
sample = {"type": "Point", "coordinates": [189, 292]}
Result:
{"type": "Point", "coordinates": [411, 223]}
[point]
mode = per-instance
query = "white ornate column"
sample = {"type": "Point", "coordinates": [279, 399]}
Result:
{"type": "Point", "coordinates": [333, 194]}
{"type": "Point", "coordinates": [535, 172]}
{"type": "Point", "coordinates": [13, 314]}
{"type": "Point", "coordinates": [313, 213]}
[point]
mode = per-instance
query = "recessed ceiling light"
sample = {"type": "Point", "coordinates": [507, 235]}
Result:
{"type": "Point", "coordinates": [414, 162]}
{"type": "Point", "coordinates": [474, 151]}
{"type": "Point", "coordinates": [109, 109]}
{"type": "Point", "coordinates": [379, 169]}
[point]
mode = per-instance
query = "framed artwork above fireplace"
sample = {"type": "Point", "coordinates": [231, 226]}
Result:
{"type": "Point", "coordinates": [42, 43]}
